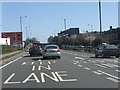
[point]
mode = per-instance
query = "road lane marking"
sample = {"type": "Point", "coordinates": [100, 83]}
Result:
{"type": "Point", "coordinates": [112, 79]}
{"type": "Point", "coordinates": [49, 62]}
{"type": "Point", "coordinates": [75, 63]}
{"type": "Point", "coordinates": [114, 65]}
{"type": "Point", "coordinates": [80, 65]}
{"type": "Point", "coordinates": [23, 63]}
{"type": "Point", "coordinates": [100, 65]}
{"type": "Point", "coordinates": [79, 58]}
{"type": "Point", "coordinates": [25, 55]}
{"type": "Point", "coordinates": [118, 70]}
{"type": "Point", "coordinates": [7, 81]}
{"type": "Point", "coordinates": [10, 63]}
{"type": "Point", "coordinates": [97, 73]}
{"type": "Point", "coordinates": [108, 74]}
{"type": "Point", "coordinates": [32, 63]}
{"type": "Point", "coordinates": [33, 68]}
{"type": "Point", "coordinates": [39, 60]}
{"type": "Point", "coordinates": [86, 68]}
{"type": "Point", "coordinates": [84, 61]}
{"type": "Point", "coordinates": [107, 65]}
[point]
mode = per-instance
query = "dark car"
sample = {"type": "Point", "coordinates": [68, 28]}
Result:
{"type": "Point", "coordinates": [35, 50]}
{"type": "Point", "coordinates": [106, 50]}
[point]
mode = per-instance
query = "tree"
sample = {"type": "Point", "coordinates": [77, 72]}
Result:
{"type": "Point", "coordinates": [96, 42]}
{"type": "Point", "coordinates": [50, 39]}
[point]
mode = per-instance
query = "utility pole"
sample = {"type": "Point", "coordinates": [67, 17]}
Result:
{"type": "Point", "coordinates": [100, 21]}
{"type": "Point", "coordinates": [21, 28]}
{"type": "Point", "coordinates": [65, 24]}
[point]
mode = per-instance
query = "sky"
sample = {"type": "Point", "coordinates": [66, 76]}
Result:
{"type": "Point", "coordinates": [47, 18]}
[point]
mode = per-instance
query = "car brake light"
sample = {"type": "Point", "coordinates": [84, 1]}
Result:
{"type": "Point", "coordinates": [58, 50]}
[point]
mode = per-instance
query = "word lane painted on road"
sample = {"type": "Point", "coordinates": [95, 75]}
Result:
{"type": "Point", "coordinates": [57, 76]}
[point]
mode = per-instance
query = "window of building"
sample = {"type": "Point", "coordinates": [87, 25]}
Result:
{"type": "Point", "coordinates": [18, 36]}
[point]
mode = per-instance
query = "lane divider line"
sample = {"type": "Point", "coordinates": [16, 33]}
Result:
{"type": "Point", "coordinates": [118, 70]}
{"type": "Point", "coordinates": [100, 65]}
{"type": "Point", "coordinates": [86, 68]}
{"type": "Point", "coordinates": [97, 73]}
{"type": "Point", "coordinates": [10, 63]}
{"type": "Point", "coordinates": [108, 74]}
{"type": "Point", "coordinates": [79, 58]}
{"type": "Point", "coordinates": [112, 79]}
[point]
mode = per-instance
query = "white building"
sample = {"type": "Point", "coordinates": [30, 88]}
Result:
{"type": "Point", "coordinates": [4, 41]}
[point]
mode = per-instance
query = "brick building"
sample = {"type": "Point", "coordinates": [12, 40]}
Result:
{"type": "Point", "coordinates": [15, 37]}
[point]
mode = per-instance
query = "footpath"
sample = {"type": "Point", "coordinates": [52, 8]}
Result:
{"type": "Point", "coordinates": [6, 58]}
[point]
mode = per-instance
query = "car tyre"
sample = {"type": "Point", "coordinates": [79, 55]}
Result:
{"type": "Point", "coordinates": [59, 57]}
{"type": "Point", "coordinates": [117, 56]}
{"type": "Point", "coordinates": [96, 55]}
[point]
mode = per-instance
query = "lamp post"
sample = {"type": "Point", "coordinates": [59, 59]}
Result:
{"type": "Point", "coordinates": [65, 24]}
{"type": "Point", "coordinates": [100, 21]}
{"type": "Point", "coordinates": [21, 26]}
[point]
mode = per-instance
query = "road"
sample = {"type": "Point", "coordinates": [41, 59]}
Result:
{"type": "Point", "coordinates": [73, 70]}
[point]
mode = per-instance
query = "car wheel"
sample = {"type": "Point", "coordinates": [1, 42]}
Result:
{"type": "Point", "coordinates": [103, 55]}
{"type": "Point", "coordinates": [117, 56]}
{"type": "Point", "coordinates": [31, 55]}
{"type": "Point", "coordinates": [96, 55]}
{"type": "Point", "coordinates": [59, 57]}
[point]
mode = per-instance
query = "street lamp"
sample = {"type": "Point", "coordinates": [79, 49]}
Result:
{"type": "Point", "coordinates": [100, 21]}
{"type": "Point", "coordinates": [21, 25]}
{"type": "Point", "coordinates": [65, 24]}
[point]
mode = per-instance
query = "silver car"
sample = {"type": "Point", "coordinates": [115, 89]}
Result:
{"type": "Point", "coordinates": [51, 51]}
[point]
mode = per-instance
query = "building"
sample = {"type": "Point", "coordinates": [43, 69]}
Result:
{"type": "Point", "coordinates": [15, 37]}
{"type": "Point", "coordinates": [112, 34]}
{"type": "Point", "coordinates": [69, 32]}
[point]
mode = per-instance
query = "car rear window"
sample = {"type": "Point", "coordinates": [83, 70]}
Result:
{"type": "Point", "coordinates": [111, 47]}
{"type": "Point", "coordinates": [51, 47]}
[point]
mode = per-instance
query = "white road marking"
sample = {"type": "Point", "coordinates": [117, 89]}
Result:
{"type": "Point", "coordinates": [7, 81]}
{"type": "Point", "coordinates": [33, 68]}
{"type": "Point", "coordinates": [86, 68]}
{"type": "Point", "coordinates": [100, 65]}
{"type": "Point", "coordinates": [84, 61]}
{"type": "Point", "coordinates": [49, 62]}
{"type": "Point", "coordinates": [39, 60]}
{"type": "Point", "coordinates": [75, 63]}
{"type": "Point", "coordinates": [112, 79]}
{"type": "Point", "coordinates": [10, 63]}
{"type": "Point", "coordinates": [23, 63]}
{"type": "Point", "coordinates": [118, 70]}
{"type": "Point", "coordinates": [25, 55]}
{"type": "Point", "coordinates": [79, 58]}
{"type": "Point", "coordinates": [114, 65]}
{"type": "Point", "coordinates": [107, 65]}
{"type": "Point", "coordinates": [80, 65]}
{"type": "Point", "coordinates": [97, 73]}
{"type": "Point", "coordinates": [32, 63]}
{"type": "Point", "coordinates": [108, 74]}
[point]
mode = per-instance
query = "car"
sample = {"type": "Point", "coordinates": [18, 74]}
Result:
{"type": "Point", "coordinates": [107, 50]}
{"type": "Point", "coordinates": [35, 50]}
{"type": "Point", "coordinates": [51, 51]}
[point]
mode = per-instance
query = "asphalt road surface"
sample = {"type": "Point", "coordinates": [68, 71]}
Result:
{"type": "Point", "coordinates": [73, 70]}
